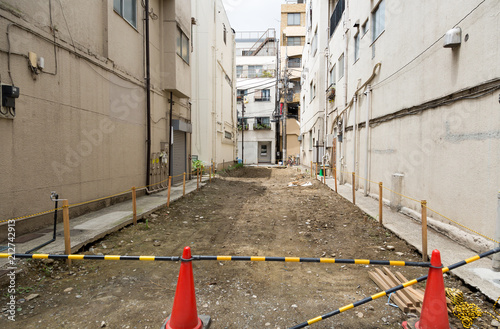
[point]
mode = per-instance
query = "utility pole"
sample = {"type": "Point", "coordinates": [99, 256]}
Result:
{"type": "Point", "coordinates": [242, 129]}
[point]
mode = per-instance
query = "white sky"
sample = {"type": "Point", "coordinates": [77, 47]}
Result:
{"type": "Point", "coordinates": [254, 15]}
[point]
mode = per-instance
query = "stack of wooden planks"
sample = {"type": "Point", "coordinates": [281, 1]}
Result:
{"type": "Point", "coordinates": [409, 299]}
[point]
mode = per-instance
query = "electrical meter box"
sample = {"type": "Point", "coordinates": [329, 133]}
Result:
{"type": "Point", "coordinates": [8, 95]}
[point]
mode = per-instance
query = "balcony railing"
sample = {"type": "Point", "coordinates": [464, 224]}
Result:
{"type": "Point", "coordinates": [261, 126]}
{"type": "Point", "coordinates": [262, 98]}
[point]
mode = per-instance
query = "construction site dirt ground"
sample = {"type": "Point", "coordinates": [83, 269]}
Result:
{"type": "Point", "coordinates": [250, 211]}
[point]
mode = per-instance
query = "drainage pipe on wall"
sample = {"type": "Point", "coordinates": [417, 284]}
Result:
{"type": "Point", "coordinates": [368, 110]}
{"type": "Point", "coordinates": [354, 132]}
{"type": "Point", "coordinates": [148, 97]}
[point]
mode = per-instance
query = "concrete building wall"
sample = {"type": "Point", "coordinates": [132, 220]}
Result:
{"type": "Point", "coordinates": [213, 83]}
{"type": "Point", "coordinates": [80, 125]}
{"type": "Point", "coordinates": [433, 111]}
{"type": "Point", "coordinates": [313, 80]}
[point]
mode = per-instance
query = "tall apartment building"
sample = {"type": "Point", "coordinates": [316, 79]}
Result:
{"type": "Point", "coordinates": [313, 84]}
{"type": "Point", "coordinates": [256, 62]}
{"type": "Point", "coordinates": [414, 108]}
{"type": "Point", "coordinates": [84, 125]}
{"type": "Point", "coordinates": [214, 116]}
{"type": "Point", "coordinates": [292, 40]}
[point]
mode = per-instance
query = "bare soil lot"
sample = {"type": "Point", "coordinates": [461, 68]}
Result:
{"type": "Point", "coordinates": [247, 212]}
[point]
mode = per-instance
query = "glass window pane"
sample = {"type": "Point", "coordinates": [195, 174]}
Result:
{"type": "Point", "coordinates": [117, 6]}
{"type": "Point", "coordinates": [179, 41]}
{"type": "Point", "coordinates": [341, 66]}
{"type": "Point", "coordinates": [185, 48]}
{"type": "Point", "coordinates": [356, 47]}
{"type": "Point", "coordinates": [129, 11]}
{"type": "Point", "coordinates": [294, 19]}
{"type": "Point", "coordinates": [378, 20]}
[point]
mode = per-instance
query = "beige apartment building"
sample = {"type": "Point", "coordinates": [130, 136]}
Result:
{"type": "Point", "coordinates": [83, 124]}
{"type": "Point", "coordinates": [292, 40]}
{"type": "Point", "coordinates": [414, 108]}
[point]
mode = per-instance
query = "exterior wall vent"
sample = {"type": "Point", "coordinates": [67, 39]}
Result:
{"type": "Point", "coordinates": [453, 38]}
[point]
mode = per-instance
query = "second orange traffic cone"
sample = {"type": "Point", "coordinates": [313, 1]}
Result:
{"type": "Point", "coordinates": [434, 313]}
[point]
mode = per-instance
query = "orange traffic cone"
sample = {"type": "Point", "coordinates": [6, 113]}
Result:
{"type": "Point", "coordinates": [434, 313]}
{"type": "Point", "coordinates": [184, 314]}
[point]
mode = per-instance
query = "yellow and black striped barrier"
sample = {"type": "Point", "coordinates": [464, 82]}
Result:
{"type": "Point", "coordinates": [223, 258]}
{"type": "Point", "coordinates": [396, 288]}
{"type": "Point", "coordinates": [312, 260]}
{"type": "Point", "coordinates": [92, 257]}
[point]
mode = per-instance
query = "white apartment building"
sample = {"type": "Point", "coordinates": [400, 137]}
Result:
{"type": "Point", "coordinates": [416, 108]}
{"type": "Point", "coordinates": [313, 83]}
{"type": "Point", "coordinates": [213, 84]}
{"type": "Point", "coordinates": [256, 62]}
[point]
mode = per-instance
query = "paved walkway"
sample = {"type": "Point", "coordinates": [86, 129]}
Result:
{"type": "Point", "coordinates": [477, 274]}
{"type": "Point", "coordinates": [95, 225]}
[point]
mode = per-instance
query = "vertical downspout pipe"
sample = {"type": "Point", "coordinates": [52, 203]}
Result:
{"type": "Point", "coordinates": [148, 99]}
{"type": "Point", "coordinates": [367, 126]}
{"type": "Point", "coordinates": [325, 128]}
{"type": "Point", "coordinates": [170, 137]}
{"type": "Point", "coordinates": [354, 132]}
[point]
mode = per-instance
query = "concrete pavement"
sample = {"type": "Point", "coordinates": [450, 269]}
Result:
{"type": "Point", "coordinates": [97, 224]}
{"type": "Point", "coordinates": [478, 274]}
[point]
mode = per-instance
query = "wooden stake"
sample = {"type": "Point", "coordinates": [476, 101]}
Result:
{"type": "Point", "coordinates": [197, 179]}
{"type": "Point", "coordinates": [67, 239]}
{"type": "Point", "coordinates": [380, 203]}
{"type": "Point", "coordinates": [184, 184]}
{"type": "Point", "coordinates": [316, 169]}
{"type": "Point", "coordinates": [335, 176]}
{"type": "Point", "coordinates": [353, 187]}
{"type": "Point", "coordinates": [423, 203]}
{"type": "Point", "coordinates": [324, 174]}
{"type": "Point", "coordinates": [134, 205]}
{"type": "Point", "coordinates": [168, 193]}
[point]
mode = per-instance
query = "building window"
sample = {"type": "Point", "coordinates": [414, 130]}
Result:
{"type": "Point", "coordinates": [182, 45]}
{"type": "Point", "coordinates": [332, 75]}
{"type": "Point", "coordinates": [263, 95]}
{"type": "Point", "coordinates": [294, 19]}
{"type": "Point", "coordinates": [364, 28]}
{"type": "Point", "coordinates": [294, 62]}
{"type": "Point", "coordinates": [240, 94]}
{"type": "Point", "coordinates": [294, 41]}
{"type": "Point", "coordinates": [262, 123]}
{"type": "Point", "coordinates": [356, 47]}
{"type": "Point", "coordinates": [311, 143]}
{"type": "Point", "coordinates": [341, 66]}
{"type": "Point", "coordinates": [228, 135]}
{"type": "Point", "coordinates": [314, 43]}
{"type": "Point", "coordinates": [126, 9]}
{"type": "Point", "coordinates": [254, 71]}
{"type": "Point", "coordinates": [239, 71]}
{"type": "Point", "coordinates": [378, 20]}
{"type": "Point", "coordinates": [311, 93]}
{"type": "Point", "coordinates": [336, 15]}
{"type": "Point", "coordinates": [242, 123]}
{"type": "Point", "coordinates": [263, 150]}
{"type": "Point", "coordinates": [224, 33]}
